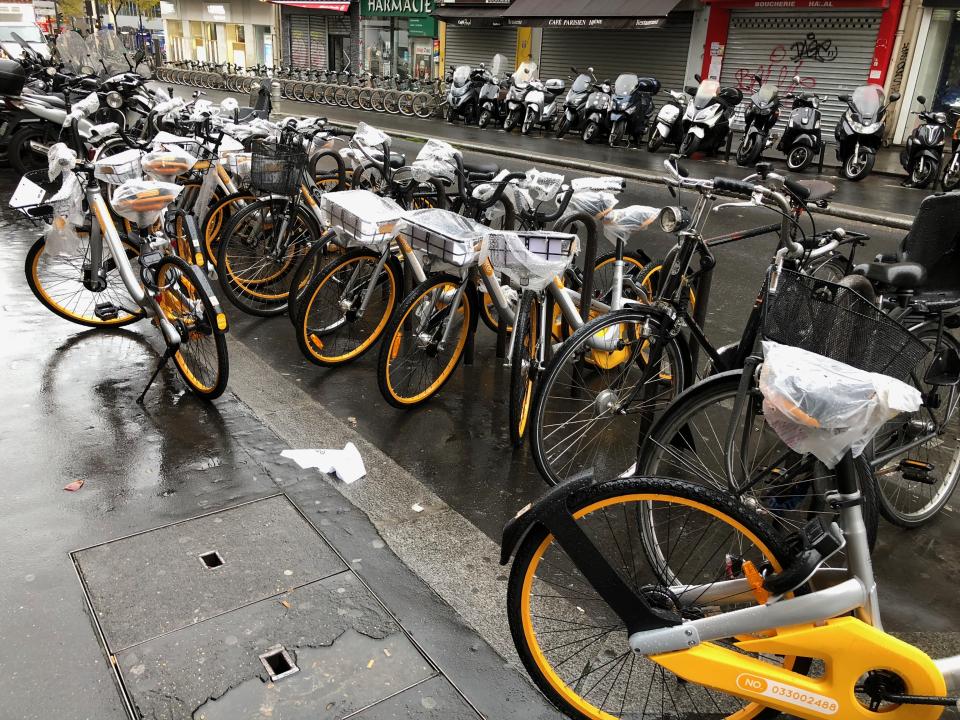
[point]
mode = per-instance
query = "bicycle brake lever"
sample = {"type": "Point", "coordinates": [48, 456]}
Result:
{"type": "Point", "coordinates": [744, 203]}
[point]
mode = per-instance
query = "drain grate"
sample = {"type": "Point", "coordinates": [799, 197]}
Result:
{"type": "Point", "coordinates": [278, 663]}
{"type": "Point", "coordinates": [212, 559]}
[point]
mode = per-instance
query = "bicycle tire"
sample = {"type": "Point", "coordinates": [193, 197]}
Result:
{"type": "Point", "coordinates": [217, 219]}
{"type": "Point", "coordinates": [364, 99]}
{"type": "Point", "coordinates": [311, 264]}
{"type": "Point", "coordinates": [353, 98]}
{"type": "Point", "coordinates": [536, 606]}
{"type": "Point", "coordinates": [405, 103]}
{"type": "Point", "coordinates": [391, 102]}
{"type": "Point", "coordinates": [523, 365]}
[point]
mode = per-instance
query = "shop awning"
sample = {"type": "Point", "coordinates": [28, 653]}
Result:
{"type": "Point", "coordinates": [340, 7]}
{"type": "Point", "coordinates": [473, 16]}
{"type": "Point", "coordinates": [597, 14]}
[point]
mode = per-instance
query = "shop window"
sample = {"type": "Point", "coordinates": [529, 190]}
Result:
{"type": "Point", "coordinates": [337, 51]}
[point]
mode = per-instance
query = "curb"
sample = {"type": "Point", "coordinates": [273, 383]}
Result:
{"type": "Point", "coordinates": [843, 212]}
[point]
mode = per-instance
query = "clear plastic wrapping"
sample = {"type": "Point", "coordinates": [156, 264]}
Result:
{"type": "Point", "coordinates": [239, 164]}
{"type": "Point", "coordinates": [446, 237]}
{"type": "Point", "coordinates": [823, 407]}
{"type": "Point", "coordinates": [530, 259]}
{"type": "Point", "coordinates": [369, 136]}
{"type": "Point", "coordinates": [622, 223]}
{"type": "Point", "coordinates": [167, 163]}
{"type": "Point", "coordinates": [228, 146]}
{"type": "Point", "coordinates": [360, 217]}
{"type": "Point", "coordinates": [229, 105]}
{"type": "Point", "coordinates": [67, 205]}
{"type": "Point", "coordinates": [542, 186]}
{"type": "Point", "coordinates": [80, 109]}
{"type": "Point", "coordinates": [119, 168]}
{"type": "Point", "coordinates": [60, 159]}
{"type": "Point", "coordinates": [142, 201]}
{"type": "Point", "coordinates": [436, 159]}
{"type": "Point", "coordinates": [610, 183]}
{"type": "Point", "coordinates": [595, 203]}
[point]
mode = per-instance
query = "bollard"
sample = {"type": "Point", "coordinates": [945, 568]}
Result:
{"type": "Point", "coordinates": [276, 91]}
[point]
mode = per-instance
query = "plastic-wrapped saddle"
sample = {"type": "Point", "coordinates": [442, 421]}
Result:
{"type": "Point", "coordinates": [436, 159]}
{"type": "Point", "coordinates": [142, 201]}
{"type": "Point", "coordinates": [622, 223]}
{"type": "Point", "coordinates": [821, 406]}
{"type": "Point", "coordinates": [168, 163]}
{"type": "Point", "coordinates": [370, 136]}
{"type": "Point", "coordinates": [595, 203]}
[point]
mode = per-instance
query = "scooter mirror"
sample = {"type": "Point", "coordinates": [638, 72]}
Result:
{"type": "Point", "coordinates": [758, 79]}
{"type": "Point", "coordinates": [894, 97]}
{"type": "Point", "coordinates": [697, 78]}
{"type": "Point", "coordinates": [920, 99]}
{"type": "Point", "coordinates": [590, 70]}
{"type": "Point", "coordinates": [796, 79]}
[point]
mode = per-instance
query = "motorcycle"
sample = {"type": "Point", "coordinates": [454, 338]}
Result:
{"type": "Point", "coordinates": [596, 111]}
{"type": "Point", "coordinates": [801, 141]}
{"type": "Point", "coordinates": [706, 120]}
{"type": "Point", "coordinates": [950, 178]}
{"type": "Point", "coordinates": [859, 130]}
{"type": "Point", "coordinates": [762, 113]}
{"type": "Point", "coordinates": [542, 104]}
{"type": "Point", "coordinates": [491, 105]}
{"type": "Point", "coordinates": [632, 107]}
{"type": "Point", "coordinates": [575, 102]}
{"type": "Point", "coordinates": [924, 148]}
{"type": "Point", "coordinates": [519, 85]}
{"type": "Point", "coordinates": [669, 126]}
{"type": "Point", "coordinates": [463, 95]}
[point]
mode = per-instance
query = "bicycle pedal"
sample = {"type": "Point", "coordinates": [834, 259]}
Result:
{"type": "Point", "coordinates": [917, 471]}
{"type": "Point", "coordinates": [106, 311]}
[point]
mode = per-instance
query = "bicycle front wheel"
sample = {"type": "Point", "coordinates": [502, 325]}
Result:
{"type": "Point", "coordinates": [600, 393]}
{"type": "Point", "coordinates": [201, 357]}
{"type": "Point", "coordinates": [425, 340]}
{"type": "Point", "coordinates": [333, 326]}
{"type": "Point", "coordinates": [524, 369]}
{"type": "Point", "coordinates": [572, 643]}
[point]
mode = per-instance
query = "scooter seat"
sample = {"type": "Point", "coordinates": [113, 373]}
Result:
{"type": "Point", "coordinates": [810, 190]}
{"type": "Point", "coordinates": [481, 171]}
{"type": "Point", "coordinates": [396, 159]}
{"type": "Point", "coordinates": [902, 275]}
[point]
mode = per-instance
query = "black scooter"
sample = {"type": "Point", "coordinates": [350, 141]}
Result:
{"type": "Point", "coordinates": [464, 94]}
{"type": "Point", "coordinates": [573, 107]}
{"type": "Point", "coordinates": [859, 131]}
{"type": "Point", "coordinates": [491, 95]}
{"type": "Point", "coordinates": [631, 108]}
{"type": "Point", "coordinates": [924, 148]}
{"type": "Point", "coordinates": [762, 113]}
{"type": "Point", "coordinates": [801, 141]}
{"type": "Point", "coordinates": [596, 111]}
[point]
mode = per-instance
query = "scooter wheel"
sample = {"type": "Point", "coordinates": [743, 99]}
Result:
{"type": "Point", "coordinates": [923, 173]}
{"type": "Point", "coordinates": [562, 128]}
{"type": "Point", "coordinates": [689, 145]}
{"type": "Point", "coordinates": [484, 120]}
{"type": "Point", "coordinates": [654, 140]}
{"type": "Point", "coordinates": [799, 158]}
{"type": "Point", "coordinates": [857, 168]}
{"type": "Point", "coordinates": [589, 132]}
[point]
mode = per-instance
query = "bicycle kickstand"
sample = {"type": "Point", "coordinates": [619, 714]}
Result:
{"type": "Point", "coordinates": [168, 353]}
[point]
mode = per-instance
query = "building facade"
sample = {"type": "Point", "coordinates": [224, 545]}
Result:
{"type": "Point", "coordinates": [224, 32]}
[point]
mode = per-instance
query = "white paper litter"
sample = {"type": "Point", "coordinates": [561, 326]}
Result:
{"type": "Point", "coordinates": [346, 464]}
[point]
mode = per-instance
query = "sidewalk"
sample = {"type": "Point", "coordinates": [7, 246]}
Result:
{"type": "Point", "coordinates": [106, 606]}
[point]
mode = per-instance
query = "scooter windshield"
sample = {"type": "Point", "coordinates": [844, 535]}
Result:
{"type": "Point", "coordinates": [461, 75]}
{"type": "Point", "coordinates": [497, 64]}
{"type": "Point", "coordinates": [525, 73]}
{"type": "Point", "coordinates": [107, 51]}
{"type": "Point", "coordinates": [706, 93]}
{"type": "Point", "coordinates": [72, 51]}
{"type": "Point", "coordinates": [625, 84]}
{"type": "Point", "coordinates": [767, 93]}
{"type": "Point", "coordinates": [581, 84]}
{"type": "Point", "coordinates": [868, 99]}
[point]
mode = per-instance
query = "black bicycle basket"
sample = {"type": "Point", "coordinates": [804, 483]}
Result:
{"type": "Point", "coordinates": [277, 168]}
{"type": "Point", "coordinates": [839, 323]}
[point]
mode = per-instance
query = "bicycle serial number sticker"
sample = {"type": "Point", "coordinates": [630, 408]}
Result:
{"type": "Point", "coordinates": [756, 685]}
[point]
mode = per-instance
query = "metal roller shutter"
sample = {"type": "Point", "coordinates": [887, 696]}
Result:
{"type": "Point", "coordinates": [299, 40]}
{"type": "Point", "coordinates": [318, 41]}
{"type": "Point", "coordinates": [472, 46]}
{"type": "Point", "coordinates": [830, 51]}
{"type": "Point", "coordinates": [657, 52]}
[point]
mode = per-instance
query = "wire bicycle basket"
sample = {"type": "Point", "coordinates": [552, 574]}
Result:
{"type": "Point", "coordinates": [277, 169]}
{"type": "Point", "coordinates": [837, 322]}
{"type": "Point", "coordinates": [32, 197]}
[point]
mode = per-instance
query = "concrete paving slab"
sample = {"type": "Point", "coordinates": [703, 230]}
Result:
{"type": "Point", "coordinates": [349, 651]}
{"type": "Point", "coordinates": [159, 581]}
{"type": "Point", "coordinates": [433, 699]}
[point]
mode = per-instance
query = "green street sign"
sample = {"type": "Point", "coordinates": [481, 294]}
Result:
{"type": "Point", "coordinates": [422, 27]}
{"type": "Point", "coordinates": [396, 8]}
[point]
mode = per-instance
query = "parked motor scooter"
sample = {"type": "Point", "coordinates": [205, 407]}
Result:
{"type": "Point", "coordinates": [575, 101]}
{"type": "Point", "coordinates": [542, 104]}
{"type": "Point", "coordinates": [801, 141]}
{"type": "Point", "coordinates": [519, 85]}
{"type": "Point", "coordinates": [463, 95]}
{"type": "Point", "coordinates": [491, 104]}
{"type": "Point", "coordinates": [706, 121]}
{"type": "Point", "coordinates": [859, 130]}
{"type": "Point", "coordinates": [669, 123]}
{"type": "Point", "coordinates": [924, 147]}
{"type": "Point", "coordinates": [759, 118]}
{"type": "Point", "coordinates": [596, 111]}
{"type": "Point", "coordinates": [631, 108]}
{"type": "Point", "coordinates": [950, 178]}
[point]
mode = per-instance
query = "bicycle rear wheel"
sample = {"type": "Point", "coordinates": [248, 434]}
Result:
{"type": "Point", "coordinates": [524, 370]}
{"type": "Point", "coordinates": [572, 643]}
{"type": "Point", "coordinates": [201, 357]}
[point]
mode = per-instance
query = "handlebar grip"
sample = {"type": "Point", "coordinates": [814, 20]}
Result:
{"type": "Point", "coordinates": [734, 187]}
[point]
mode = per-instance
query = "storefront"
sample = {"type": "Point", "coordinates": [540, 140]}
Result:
{"type": "Point", "coordinates": [473, 32]}
{"type": "Point", "coordinates": [834, 46]}
{"type": "Point", "coordinates": [221, 32]}
{"type": "Point", "coordinates": [397, 37]}
{"type": "Point", "coordinates": [319, 35]}
{"type": "Point", "coordinates": [935, 70]}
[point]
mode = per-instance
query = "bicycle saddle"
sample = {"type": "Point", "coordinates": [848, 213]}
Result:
{"type": "Point", "coordinates": [903, 275]}
{"type": "Point", "coordinates": [481, 171]}
{"type": "Point", "coordinates": [397, 160]}
{"type": "Point", "coordinates": [810, 190]}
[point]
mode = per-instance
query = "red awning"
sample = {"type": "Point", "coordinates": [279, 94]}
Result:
{"type": "Point", "coordinates": [340, 7]}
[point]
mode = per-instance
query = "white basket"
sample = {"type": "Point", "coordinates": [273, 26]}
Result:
{"type": "Point", "coordinates": [360, 217]}
{"type": "Point", "coordinates": [531, 259]}
{"type": "Point", "coordinates": [117, 169]}
{"type": "Point", "coordinates": [445, 236]}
